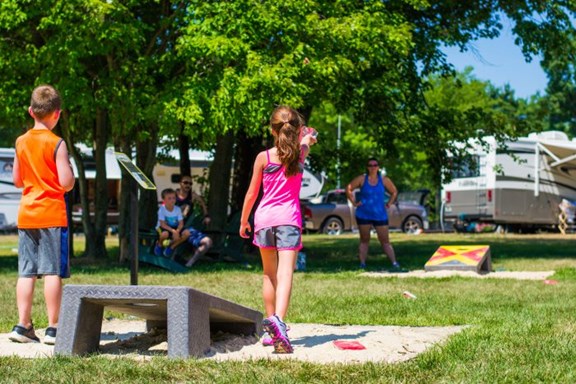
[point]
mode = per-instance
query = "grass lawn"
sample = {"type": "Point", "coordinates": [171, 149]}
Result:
{"type": "Point", "coordinates": [520, 331]}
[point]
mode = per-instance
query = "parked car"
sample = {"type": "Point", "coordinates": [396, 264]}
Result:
{"type": "Point", "coordinates": [334, 214]}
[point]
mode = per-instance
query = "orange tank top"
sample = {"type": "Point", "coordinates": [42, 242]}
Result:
{"type": "Point", "coordinates": [42, 204]}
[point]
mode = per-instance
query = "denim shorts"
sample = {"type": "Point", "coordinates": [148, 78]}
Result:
{"type": "Point", "coordinates": [43, 251]}
{"type": "Point", "coordinates": [279, 237]}
{"type": "Point", "coordinates": [375, 223]}
{"type": "Point", "coordinates": [195, 237]}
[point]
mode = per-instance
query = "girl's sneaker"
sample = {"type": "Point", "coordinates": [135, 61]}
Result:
{"type": "Point", "coordinates": [278, 330]}
{"type": "Point", "coordinates": [267, 340]}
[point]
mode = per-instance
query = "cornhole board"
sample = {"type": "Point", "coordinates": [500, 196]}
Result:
{"type": "Point", "coordinates": [188, 315]}
{"type": "Point", "coordinates": [461, 258]}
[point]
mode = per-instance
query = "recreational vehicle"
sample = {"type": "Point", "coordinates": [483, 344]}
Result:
{"type": "Point", "coordinates": [518, 185]}
{"type": "Point", "coordinates": [166, 174]}
{"type": "Point", "coordinates": [9, 194]}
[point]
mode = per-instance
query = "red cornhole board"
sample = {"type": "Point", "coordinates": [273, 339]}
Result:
{"type": "Point", "coordinates": [461, 258]}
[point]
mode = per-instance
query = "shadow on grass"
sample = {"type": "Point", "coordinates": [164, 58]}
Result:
{"type": "Point", "coordinates": [331, 254]}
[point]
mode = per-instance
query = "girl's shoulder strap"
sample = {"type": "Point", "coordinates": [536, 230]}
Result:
{"type": "Point", "coordinates": [268, 156]}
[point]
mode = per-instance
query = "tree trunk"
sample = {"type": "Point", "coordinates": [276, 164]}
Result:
{"type": "Point", "coordinates": [247, 148]}
{"type": "Point", "coordinates": [147, 201]}
{"type": "Point", "coordinates": [124, 206]}
{"type": "Point", "coordinates": [146, 160]}
{"type": "Point", "coordinates": [67, 136]}
{"type": "Point", "coordinates": [100, 185]}
{"type": "Point", "coordinates": [81, 186]}
{"type": "Point", "coordinates": [219, 177]}
{"type": "Point", "coordinates": [184, 150]}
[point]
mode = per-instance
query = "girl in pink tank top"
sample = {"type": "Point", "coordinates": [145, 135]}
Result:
{"type": "Point", "coordinates": [278, 220]}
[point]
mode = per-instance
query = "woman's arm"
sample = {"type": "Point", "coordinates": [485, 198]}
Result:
{"type": "Point", "coordinates": [355, 183]}
{"type": "Point", "coordinates": [391, 188]}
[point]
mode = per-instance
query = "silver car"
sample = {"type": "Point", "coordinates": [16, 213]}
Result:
{"type": "Point", "coordinates": [333, 214]}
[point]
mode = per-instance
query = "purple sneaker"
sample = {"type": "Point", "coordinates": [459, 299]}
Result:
{"type": "Point", "coordinates": [278, 330]}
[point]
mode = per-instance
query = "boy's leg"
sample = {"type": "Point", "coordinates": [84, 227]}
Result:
{"type": "Point", "coordinates": [163, 236]}
{"type": "Point", "coordinates": [160, 243]}
{"type": "Point", "coordinates": [182, 239]}
{"type": "Point", "coordinates": [24, 298]}
{"type": "Point", "coordinates": [53, 298]}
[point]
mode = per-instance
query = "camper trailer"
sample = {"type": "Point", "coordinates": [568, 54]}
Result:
{"type": "Point", "coordinates": [113, 177]}
{"type": "Point", "coordinates": [518, 185]}
{"type": "Point", "coordinates": [166, 174]}
{"type": "Point", "coordinates": [9, 194]}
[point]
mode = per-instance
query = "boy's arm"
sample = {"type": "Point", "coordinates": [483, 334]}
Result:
{"type": "Point", "coordinates": [16, 177]}
{"type": "Point", "coordinates": [65, 174]}
{"type": "Point", "coordinates": [164, 225]}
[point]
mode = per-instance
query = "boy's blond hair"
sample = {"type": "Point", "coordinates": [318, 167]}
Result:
{"type": "Point", "coordinates": [44, 101]}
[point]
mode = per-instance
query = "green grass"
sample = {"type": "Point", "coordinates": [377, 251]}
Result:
{"type": "Point", "coordinates": [519, 331]}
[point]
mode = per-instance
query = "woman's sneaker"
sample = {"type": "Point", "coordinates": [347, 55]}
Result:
{"type": "Point", "coordinates": [278, 330]}
{"type": "Point", "coordinates": [21, 334]}
{"type": "Point", "coordinates": [50, 336]}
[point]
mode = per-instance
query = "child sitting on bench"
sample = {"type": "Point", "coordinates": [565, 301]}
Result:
{"type": "Point", "coordinates": [170, 225]}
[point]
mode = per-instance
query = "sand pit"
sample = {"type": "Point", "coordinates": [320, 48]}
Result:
{"type": "Point", "coordinates": [312, 343]}
{"type": "Point", "coordinates": [519, 275]}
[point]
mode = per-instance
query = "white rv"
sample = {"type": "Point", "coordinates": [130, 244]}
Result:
{"type": "Point", "coordinates": [166, 174]}
{"type": "Point", "coordinates": [9, 194]}
{"type": "Point", "coordinates": [518, 185]}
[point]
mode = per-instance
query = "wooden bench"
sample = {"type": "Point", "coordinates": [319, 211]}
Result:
{"type": "Point", "coordinates": [188, 315]}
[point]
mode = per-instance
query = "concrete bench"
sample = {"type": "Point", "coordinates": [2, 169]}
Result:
{"type": "Point", "coordinates": [188, 315]}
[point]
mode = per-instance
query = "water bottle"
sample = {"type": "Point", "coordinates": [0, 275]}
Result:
{"type": "Point", "coordinates": [301, 261]}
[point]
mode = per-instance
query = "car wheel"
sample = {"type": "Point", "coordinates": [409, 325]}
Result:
{"type": "Point", "coordinates": [333, 226]}
{"type": "Point", "coordinates": [412, 224]}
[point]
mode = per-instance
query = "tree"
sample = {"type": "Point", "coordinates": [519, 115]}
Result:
{"type": "Point", "coordinates": [113, 64]}
{"type": "Point", "coordinates": [132, 72]}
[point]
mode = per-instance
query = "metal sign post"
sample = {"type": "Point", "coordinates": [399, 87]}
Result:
{"type": "Point", "coordinates": [138, 178]}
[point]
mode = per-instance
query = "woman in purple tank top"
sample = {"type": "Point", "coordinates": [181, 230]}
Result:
{"type": "Point", "coordinates": [278, 220]}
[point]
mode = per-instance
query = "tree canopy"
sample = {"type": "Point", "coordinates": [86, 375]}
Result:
{"type": "Point", "coordinates": [132, 72]}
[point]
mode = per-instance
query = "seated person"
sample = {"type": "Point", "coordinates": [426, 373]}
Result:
{"type": "Point", "coordinates": [170, 225]}
{"type": "Point", "coordinates": [186, 198]}
{"type": "Point", "coordinates": [201, 244]}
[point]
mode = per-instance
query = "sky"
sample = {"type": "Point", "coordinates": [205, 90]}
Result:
{"type": "Point", "coordinates": [501, 62]}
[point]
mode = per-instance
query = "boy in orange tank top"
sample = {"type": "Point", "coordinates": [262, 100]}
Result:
{"type": "Point", "coordinates": [42, 169]}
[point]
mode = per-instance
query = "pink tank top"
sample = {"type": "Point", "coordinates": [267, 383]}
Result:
{"type": "Point", "coordinates": [280, 204]}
